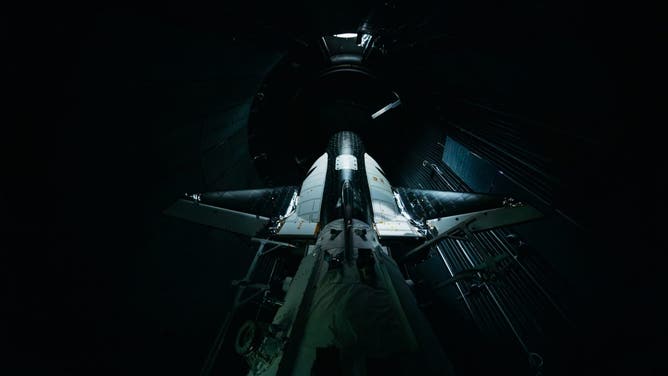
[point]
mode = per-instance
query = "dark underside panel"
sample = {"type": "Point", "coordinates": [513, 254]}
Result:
{"type": "Point", "coordinates": [429, 204]}
{"type": "Point", "coordinates": [266, 202]}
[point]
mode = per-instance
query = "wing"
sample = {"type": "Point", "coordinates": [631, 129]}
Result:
{"type": "Point", "coordinates": [426, 204]}
{"type": "Point", "coordinates": [457, 213]}
{"type": "Point", "coordinates": [448, 211]}
{"type": "Point", "coordinates": [243, 211]}
{"type": "Point", "coordinates": [403, 212]}
{"type": "Point", "coordinates": [289, 211]}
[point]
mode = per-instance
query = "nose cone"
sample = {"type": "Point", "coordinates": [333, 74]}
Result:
{"type": "Point", "coordinates": [345, 142]}
{"type": "Point", "coordinates": [346, 167]}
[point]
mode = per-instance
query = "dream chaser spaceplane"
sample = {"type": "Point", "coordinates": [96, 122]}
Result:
{"type": "Point", "coordinates": [348, 293]}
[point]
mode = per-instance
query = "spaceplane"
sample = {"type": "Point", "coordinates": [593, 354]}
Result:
{"type": "Point", "coordinates": [347, 307]}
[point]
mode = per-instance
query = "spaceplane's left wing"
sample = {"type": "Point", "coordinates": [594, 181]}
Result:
{"type": "Point", "coordinates": [241, 211]}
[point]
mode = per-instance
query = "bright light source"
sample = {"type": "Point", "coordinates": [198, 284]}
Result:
{"type": "Point", "coordinates": [346, 35]}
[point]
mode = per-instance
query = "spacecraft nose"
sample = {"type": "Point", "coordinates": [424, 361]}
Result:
{"type": "Point", "coordinates": [346, 142]}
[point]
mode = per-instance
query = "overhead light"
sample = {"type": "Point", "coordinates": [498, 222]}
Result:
{"type": "Point", "coordinates": [386, 108]}
{"type": "Point", "coordinates": [346, 35]}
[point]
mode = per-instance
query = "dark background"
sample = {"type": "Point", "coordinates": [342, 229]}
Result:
{"type": "Point", "coordinates": [106, 107]}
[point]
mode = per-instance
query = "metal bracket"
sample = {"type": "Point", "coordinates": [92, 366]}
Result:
{"type": "Point", "coordinates": [238, 302]}
{"type": "Point", "coordinates": [450, 234]}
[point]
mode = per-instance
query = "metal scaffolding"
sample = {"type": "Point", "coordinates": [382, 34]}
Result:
{"type": "Point", "coordinates": [506, 287]}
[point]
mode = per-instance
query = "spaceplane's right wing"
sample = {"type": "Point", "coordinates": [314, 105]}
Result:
{"type": "Point", "coordinates": [485, 219]}
{"type": "Point", "coordinates": [446, 211]}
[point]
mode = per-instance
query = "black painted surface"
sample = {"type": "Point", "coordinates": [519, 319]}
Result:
{"type": "Point", "coordinates": [430, 204]}
{"type": "Point", "coordinates": [346, 143]}
{"type": "Point", "coordinates": [266, 202]}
